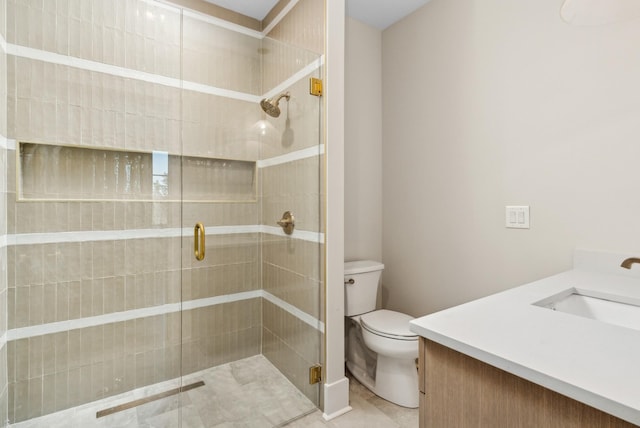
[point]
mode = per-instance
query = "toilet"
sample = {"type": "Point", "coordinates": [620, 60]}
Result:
{"type": "Point", "coordinates": [380, 349]}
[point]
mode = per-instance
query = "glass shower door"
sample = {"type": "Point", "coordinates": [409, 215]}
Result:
{"type": "Point", "coordinates": [144, 185]}
{"type": "Point", "coordinates": [94, 215]}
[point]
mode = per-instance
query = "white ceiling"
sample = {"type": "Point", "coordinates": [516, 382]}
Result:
{"type": "Point", "coordinates": [257, 9]}
{"type": "Point", "coordinates": [382, 13]}
{"type": "Point", "coordinates": [377, 13]}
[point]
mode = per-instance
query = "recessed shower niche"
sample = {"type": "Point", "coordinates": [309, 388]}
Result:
{"type": "Point", "coordinates": [57, 172]}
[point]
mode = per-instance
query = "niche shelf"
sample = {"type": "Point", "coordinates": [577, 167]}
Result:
{"type": "Point", "coordinates": [72, 173]}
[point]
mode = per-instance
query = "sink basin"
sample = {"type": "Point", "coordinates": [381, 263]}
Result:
{"type": "Point", "coordinates": [618, 310]}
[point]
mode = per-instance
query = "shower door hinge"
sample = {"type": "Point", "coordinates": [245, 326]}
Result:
{"type": "Point", "coordinates": [315, 86]}
{"type": "Point", "coordinates": [315, 374]}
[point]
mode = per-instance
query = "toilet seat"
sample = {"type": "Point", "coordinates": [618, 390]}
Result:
{"type": "Point", "coordinates": [389, 324]}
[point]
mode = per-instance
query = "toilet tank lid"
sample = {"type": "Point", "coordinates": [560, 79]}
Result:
{"type": "Point", "coordinates": [362, 266]}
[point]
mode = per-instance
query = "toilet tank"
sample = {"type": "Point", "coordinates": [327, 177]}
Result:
{"type": "Point", "coordinates": [360, 297]}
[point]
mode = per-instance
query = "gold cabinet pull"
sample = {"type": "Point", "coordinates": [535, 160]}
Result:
{"type": "Point", "coordinates": [198, 241]}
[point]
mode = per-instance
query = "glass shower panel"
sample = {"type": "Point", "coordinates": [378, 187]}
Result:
{"type": "Point", "coordinates": [252, 319]}
{"type": "Point", "coordinates": [94, 210]}
{"type": "Point", "coordinates": [145, 264]}
{"type": "Point", "coordinates": [290, 180]}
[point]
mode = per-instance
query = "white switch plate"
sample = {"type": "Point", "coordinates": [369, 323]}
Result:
{"type": "Point", "coordinates": [517, 217]}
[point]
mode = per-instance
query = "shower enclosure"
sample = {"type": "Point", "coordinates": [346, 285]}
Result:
{"type": "Point", "coordinates": [147, 280]}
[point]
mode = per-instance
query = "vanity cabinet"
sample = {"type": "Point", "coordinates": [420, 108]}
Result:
{"type": "Point", "coordinates": [458, 391]}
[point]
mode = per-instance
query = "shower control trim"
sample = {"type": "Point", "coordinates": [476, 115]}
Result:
{"type": "Point", "coordinates": [287, 222]}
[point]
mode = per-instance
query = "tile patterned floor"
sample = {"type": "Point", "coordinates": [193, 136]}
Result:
{"type": "Point", "coordinates": [228, 400]}
{"type": "Point", "coordinates": [369, 411]}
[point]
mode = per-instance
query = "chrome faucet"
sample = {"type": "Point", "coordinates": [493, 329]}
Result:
{"type": "Point", "coordinates": [628, 262]}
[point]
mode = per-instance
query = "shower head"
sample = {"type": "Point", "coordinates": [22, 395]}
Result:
{"type": "Point", "coordinates": [271, 107]}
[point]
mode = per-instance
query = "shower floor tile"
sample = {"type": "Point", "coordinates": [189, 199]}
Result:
{"type": "Point", "coordinates": [247, 393]}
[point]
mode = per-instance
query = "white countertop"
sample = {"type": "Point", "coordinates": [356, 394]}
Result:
{"type": "Point", "coordinates": [588, 360]}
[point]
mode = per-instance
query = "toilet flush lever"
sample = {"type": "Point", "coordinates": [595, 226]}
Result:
{"type": "Point", "coordinates": [350, 281]}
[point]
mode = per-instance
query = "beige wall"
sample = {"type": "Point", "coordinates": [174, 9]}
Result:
{"type": "Point", "coordinates": [496, 103]}
{"type": "Point", "coordinates": [363, 142]}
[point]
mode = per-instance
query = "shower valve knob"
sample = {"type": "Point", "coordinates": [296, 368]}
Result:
{"type": "Point", "coordinates": [287, 222]}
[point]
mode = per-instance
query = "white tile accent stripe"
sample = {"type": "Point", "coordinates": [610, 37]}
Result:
{"type": "Point", "coordinates": [117, 235]}
{"type": "Point", "coordinates": [224, 24]}
{"type": "Point", "coordinates": [3, 44]}
{"type": "Point", "coordinates": [303, 235]}
{"type": "Point", "coordinates": [227, 93]}
{"type": "Point", "coordinates": [291, 157]}
{"type": "Point", "coordinates": [301, 74]}
{"type": "Point", "coordinates": [7, 143]}
{"type": "Point", "coordinates": [85, 64]}
{"type": "Point", "coordinates": [301, 315]}
{"type": "Point", "coordinates": [113, 70]}
{"type": "Point", "coordinates": [54, 58]}
{"type": "Point", "coordinates": [279, 17]}
{"type": "Point", "coordinates": [4, 143]}
{"type": "Point", "coordinates": [218, 300]}
{"type": "Point", "coordinates": [57, 327]}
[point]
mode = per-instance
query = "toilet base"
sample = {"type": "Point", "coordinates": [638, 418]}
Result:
{"type": "Point", "coordinates": [362, 376]}
{"type": "Point", "coordinates": [396, 380]}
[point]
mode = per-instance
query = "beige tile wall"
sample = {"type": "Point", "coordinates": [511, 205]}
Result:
{"type": "Point", "coordinates": [62, 172]}
{"type": "Point", "coordinates": [281, 61]}
{"type": "Point", "coordinates": [219, 334]}
{"type": "Point", "coordinates": [293, 270]}
{"type": "Point", "coordinates": [99, 30]}
{"type": "Point", "coordinates": [4, 390]}
{"type": "Point", "coordinates": [231, 266]}
{"type": "Point", "coordinates": [222, 58]}
{"type": "Point", "coordinates": [303, 26]}
{"type": "Point", "coordinates": [292, 186]}
{"type": "Point", "coordinates": [58, 104]}
{"type": "Point", "coordinates": [61, 370]}
{"type": "Point", "coordinates": [294, 288]}
{"type": "Point", "coordinates": [211, 335]}
{"type": "Point", "coordinates": [292, 346]}
{"type": "Point", "coordinates": [62, 105]}
{"type": "Point", "coordinates": [297, 127]}
{"type": "Point", "coordinates": [4, 395]}
{"type": "Point", "coordinates": [51, 282]}
{"type": "Point", "coordinates": [81, 279]}
{"type": "Point", "coordinates": [220, 127]}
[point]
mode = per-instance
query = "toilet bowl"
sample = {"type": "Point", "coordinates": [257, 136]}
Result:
{"type": "Point", "coordinates": [380, 349]}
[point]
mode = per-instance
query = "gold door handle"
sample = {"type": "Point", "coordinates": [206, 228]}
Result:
{"type": "Point", "coordinates": [199, 241]}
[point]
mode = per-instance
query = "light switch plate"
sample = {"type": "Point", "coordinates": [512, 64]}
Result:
{"type": "Point", "coordinates": [517, 217]}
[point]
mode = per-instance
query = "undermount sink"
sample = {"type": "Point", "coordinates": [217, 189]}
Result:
{"type": "Point", "coordinates": [618, 310]}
